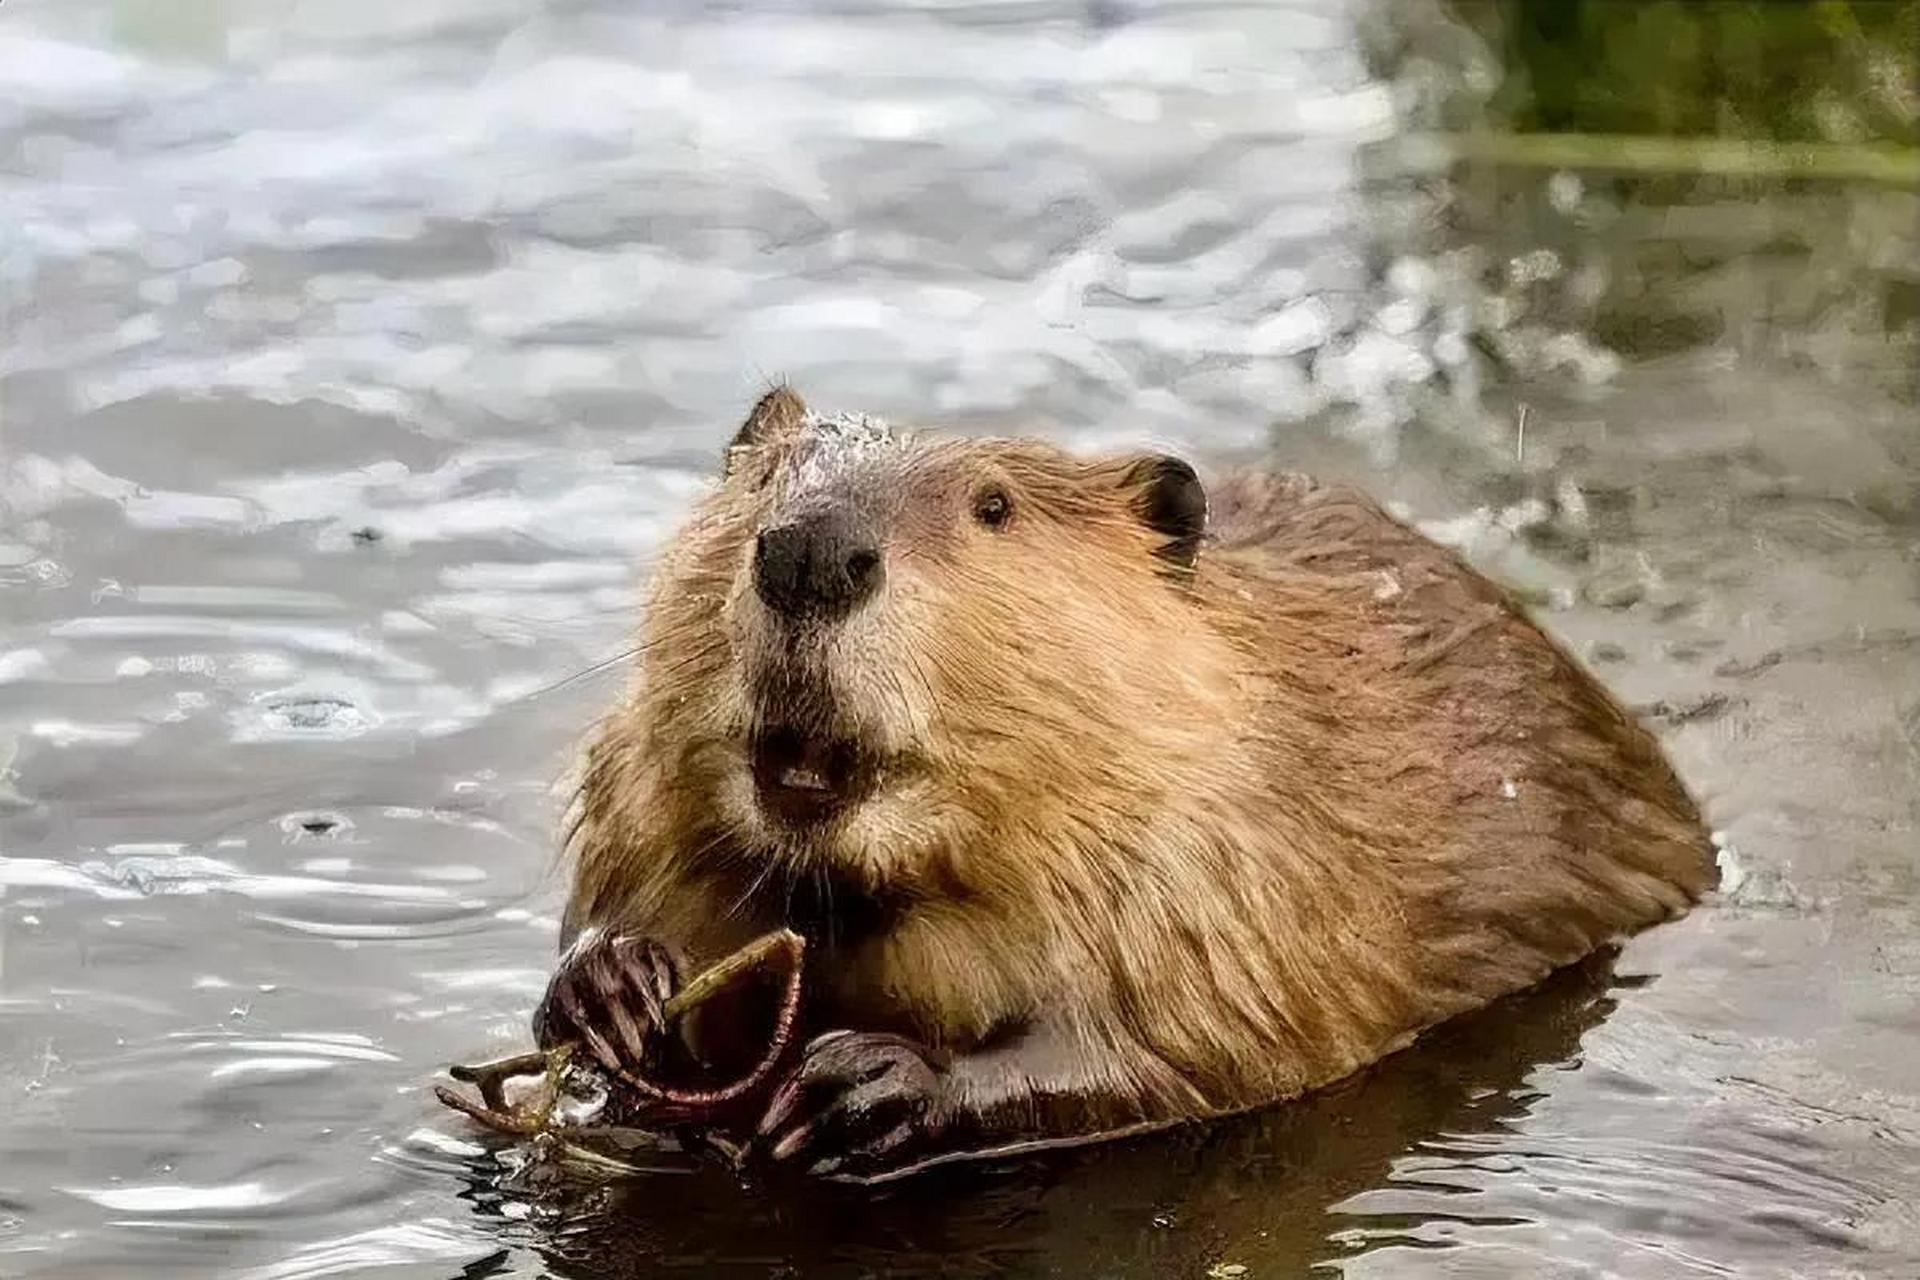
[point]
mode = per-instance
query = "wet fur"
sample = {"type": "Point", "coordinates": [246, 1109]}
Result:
{"type": "Point", "coordinates": [1175, 843]}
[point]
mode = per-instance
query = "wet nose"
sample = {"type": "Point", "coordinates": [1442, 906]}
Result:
{"type": "Point", "coordinates": [821, 567]}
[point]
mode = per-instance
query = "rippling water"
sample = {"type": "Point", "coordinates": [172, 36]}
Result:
{"type": "Point", "coordinates": [357, 356]}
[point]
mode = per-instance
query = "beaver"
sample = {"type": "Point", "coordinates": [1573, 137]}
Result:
{"type": "Point", "coordinates": [1105, 798]}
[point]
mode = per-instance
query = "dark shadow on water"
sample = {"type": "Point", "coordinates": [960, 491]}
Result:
{"type": "Point", "coordinates": [1264, 1190]}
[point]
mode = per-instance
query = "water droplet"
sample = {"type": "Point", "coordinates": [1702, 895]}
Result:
{"type": "Point", "coordinates": [316, 715]}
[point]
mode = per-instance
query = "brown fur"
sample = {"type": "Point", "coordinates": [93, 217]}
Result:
{"type": "Point", "coordinates": [1158, 843]}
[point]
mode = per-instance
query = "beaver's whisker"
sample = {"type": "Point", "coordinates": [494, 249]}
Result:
{"type": "Point", "coordinates": [753, 887]}
{"type": "Point", "coordinates": [582, 674]}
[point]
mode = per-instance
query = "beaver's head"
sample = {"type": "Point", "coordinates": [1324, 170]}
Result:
{"type": "Point", "coordinates": [878, 653]}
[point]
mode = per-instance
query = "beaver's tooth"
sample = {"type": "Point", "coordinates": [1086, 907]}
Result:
{"type": "Point", "coordinates": [803, 778]}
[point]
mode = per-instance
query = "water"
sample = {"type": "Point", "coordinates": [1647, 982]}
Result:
{"type": "Point", "coordinates": [357, 357]}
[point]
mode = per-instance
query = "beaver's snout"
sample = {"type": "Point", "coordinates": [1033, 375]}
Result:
{"type": "Point", "coordinates": [820, 567]}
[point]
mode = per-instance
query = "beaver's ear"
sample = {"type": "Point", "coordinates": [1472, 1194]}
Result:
{"type": "Point", "coordinates": [1169, 499]}
{"type": "Point", "coordinates": [780, 412]}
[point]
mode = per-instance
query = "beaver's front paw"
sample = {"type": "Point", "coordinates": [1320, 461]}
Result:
{"type": "Point", "coordinates": [608, 994]}
{"type": "Point", "coordinates": [857, 1103]}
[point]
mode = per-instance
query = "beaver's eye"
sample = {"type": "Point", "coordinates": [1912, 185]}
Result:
{"type": "Point", "coordinates": [992, 508]}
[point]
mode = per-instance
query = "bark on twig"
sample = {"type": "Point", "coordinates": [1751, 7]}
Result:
{"type": "Point", "coordinates": [782, 951]}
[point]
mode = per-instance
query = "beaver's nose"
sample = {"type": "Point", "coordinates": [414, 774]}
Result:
{"type": "Point", "coordinates": [821, 567]}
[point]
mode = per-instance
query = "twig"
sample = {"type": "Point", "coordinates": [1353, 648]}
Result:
{"type": "Point", "coordinates": [727, 970]}
{"type": "Point", "coordinates": [493, 1076]}
{"type": "Point", "coordinates": [494, 1110]}
{"type": "Point", "coordinates": [784, 944]}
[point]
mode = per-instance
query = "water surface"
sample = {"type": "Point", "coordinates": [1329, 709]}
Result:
{"type": "Point", "coordinates": [358, 356]}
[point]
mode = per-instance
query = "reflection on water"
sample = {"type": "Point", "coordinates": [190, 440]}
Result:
{"type": "Point", "coordinates": [356, 353]}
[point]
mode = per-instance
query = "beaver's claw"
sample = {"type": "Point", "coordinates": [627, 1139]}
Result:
{"type": "Point", "coordinates": [608, 995]}
{"type": "Point", "coordinates": [857, 1103]}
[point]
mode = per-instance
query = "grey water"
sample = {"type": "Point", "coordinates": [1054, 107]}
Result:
{"type": "Point", "coordinates": [358, 356]}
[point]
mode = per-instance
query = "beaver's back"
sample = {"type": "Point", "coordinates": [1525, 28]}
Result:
{"type": "Point", "coordinates": [1540, 820]}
